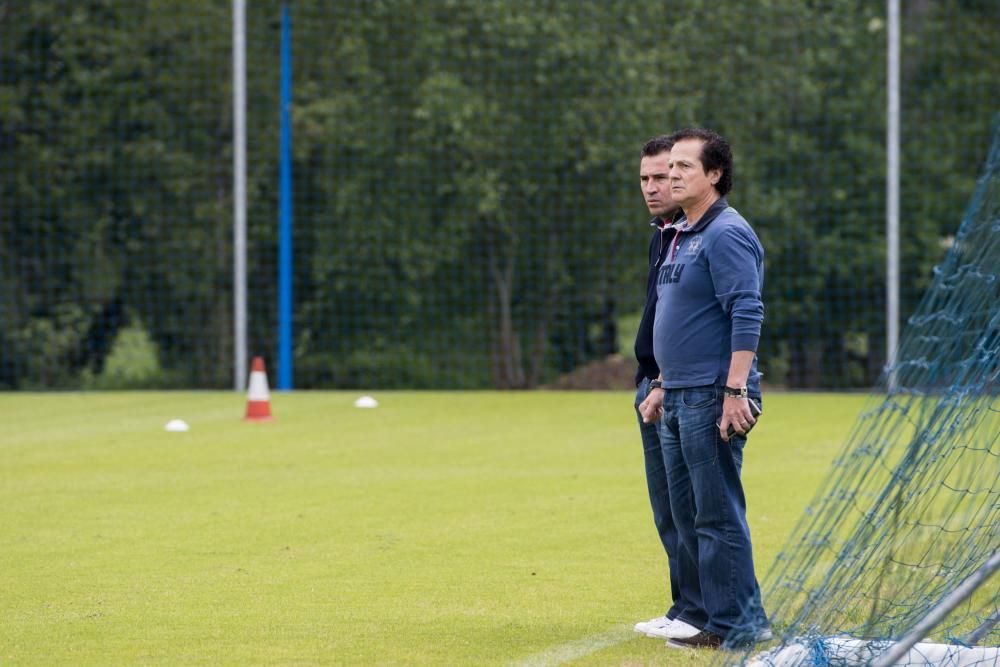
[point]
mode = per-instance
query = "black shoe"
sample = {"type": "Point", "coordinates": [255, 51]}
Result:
{"type": "Point", "coordinates": [741, 640]}
{"type": "Point", "coordinates": [703, 639]}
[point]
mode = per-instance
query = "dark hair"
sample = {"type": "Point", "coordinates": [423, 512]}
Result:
{"type": "Point", "coordinates": [657, 145]}
{"type": "Point", "coordinates": [715, 154]}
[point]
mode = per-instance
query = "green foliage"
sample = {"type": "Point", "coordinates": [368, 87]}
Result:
{"type": "Point", "coordinates": [133, 363]}
{"type": "Point", "coordinates": [46, 344]}
{"type": "Point", "coordinates": [464, 175]}
{"type": "Point", "coordinates": [105, 175]}
{"type": "Point", "coordinates": [628, 326]}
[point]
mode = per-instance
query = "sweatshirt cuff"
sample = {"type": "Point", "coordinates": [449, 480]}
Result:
{"type": "Point", "coordinates": [745, 342]}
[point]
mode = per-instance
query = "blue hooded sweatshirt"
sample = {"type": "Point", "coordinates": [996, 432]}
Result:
{"type": "Point", "coordinates": [708, 299]}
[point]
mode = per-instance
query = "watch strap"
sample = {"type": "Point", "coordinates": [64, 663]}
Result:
{"type": "Point", "coordinates": [735, 392]}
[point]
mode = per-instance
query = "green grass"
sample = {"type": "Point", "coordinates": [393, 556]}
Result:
{"type": "Point", "coordinates": [440, 528]}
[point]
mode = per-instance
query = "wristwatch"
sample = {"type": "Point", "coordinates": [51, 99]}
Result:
{"type": "Point", "coordinates": [735, 392]}
{"type": "Point", "coordinates": [656, 384]}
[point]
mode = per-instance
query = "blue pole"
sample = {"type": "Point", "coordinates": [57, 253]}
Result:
{"type": "Point", "coordinates": [285, 213]}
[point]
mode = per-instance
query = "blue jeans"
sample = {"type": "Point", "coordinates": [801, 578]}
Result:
{"type": "Point", "coordinates": [709, 510]}
{"type": "Point", "coordinates": [685, 597]}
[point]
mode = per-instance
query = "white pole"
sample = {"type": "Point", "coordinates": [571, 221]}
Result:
{"type": "Point", "coordinates": [239, 197]}
{"type": "Point", "coordinates": [940, 612]}
{"type": "Point", "coordinates": [892, 194]}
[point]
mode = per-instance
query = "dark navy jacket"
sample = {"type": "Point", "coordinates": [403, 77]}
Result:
{"type": "Point", "coordinates": [644, 336]}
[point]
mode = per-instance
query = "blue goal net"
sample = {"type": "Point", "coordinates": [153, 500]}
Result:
{"type": "Point", "coordinates": [903, 535]}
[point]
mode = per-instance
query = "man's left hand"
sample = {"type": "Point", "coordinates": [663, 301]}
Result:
{"type": "Point", "coordinates": [735, 412]}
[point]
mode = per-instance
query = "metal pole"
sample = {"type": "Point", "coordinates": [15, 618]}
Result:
{"type": "Point", "coordinates": [940, 612]}
{"type": "Point", "coordinates": [239, 197]}
{"type": "Point", "coordinates": [892, 195]}
{"type": "Point", "coordinates": [285, 256]}
{"type": "Point", "coordinates": [977, 635]}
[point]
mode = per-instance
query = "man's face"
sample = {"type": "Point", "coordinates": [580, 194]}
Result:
{"type": "Point", "coordinates": [689, 184]}
{"type": "Point", "coordinates": [654, 176]}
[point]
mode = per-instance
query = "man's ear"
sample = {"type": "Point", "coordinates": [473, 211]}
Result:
{"type": "Point", "coordinates": [714, 176]}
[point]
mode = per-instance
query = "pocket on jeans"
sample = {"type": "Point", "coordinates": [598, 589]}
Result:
{"type": "Point", "coordinates": [697, 398]}
{"type": "Point", "coordinates": [702, 446]}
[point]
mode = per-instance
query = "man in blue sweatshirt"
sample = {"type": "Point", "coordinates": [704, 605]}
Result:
{"type": "Point", "coordinates": [654, 167]}
{"type": "Point", "coordinates": [708, 320]}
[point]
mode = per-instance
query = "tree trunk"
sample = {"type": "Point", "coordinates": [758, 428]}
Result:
{"type": "Point", "coordinates": [505, 347]}
{"type": "Point", "coordinates": [549, 305]}
{"type": "Point", "coordinates": [803, 359]}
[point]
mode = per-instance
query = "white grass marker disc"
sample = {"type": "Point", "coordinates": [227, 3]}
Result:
{"type": "Point", "coordinates": [366, 402]}
{"type": "Point", "coordinates": [177, 426]}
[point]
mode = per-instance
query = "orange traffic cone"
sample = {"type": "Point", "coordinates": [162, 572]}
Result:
{"type": "Point", "coordinates": [258, 395]}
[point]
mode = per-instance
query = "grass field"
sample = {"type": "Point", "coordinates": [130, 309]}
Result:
{"type": "Point", "coordinates": [439, 529]}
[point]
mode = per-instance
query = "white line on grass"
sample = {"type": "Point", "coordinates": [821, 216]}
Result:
{"type": "Point", "coordinates": [577, 648]}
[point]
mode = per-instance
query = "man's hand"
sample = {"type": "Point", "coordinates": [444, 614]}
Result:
{"type": "Point", "coordinates": [651, 408]}
{"type": "Point", "coordinates": [735, 413]}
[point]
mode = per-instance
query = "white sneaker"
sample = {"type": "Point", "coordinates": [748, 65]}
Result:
{"type": "Point", "coordinates": [662, 627]}
{"type": "Point", "coordinates": [677, 629]}
{"type": "Point", "coordinates": [644, 627]}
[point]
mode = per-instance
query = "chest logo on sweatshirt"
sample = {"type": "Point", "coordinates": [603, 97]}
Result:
{"type": "Point", "coordinates": [694, 246]}
{"type": "Point", "coordinates": [670, 273]}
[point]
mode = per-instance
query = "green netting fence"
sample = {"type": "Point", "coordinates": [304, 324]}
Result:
{"type": "Point", "coordinates": [466, 202]}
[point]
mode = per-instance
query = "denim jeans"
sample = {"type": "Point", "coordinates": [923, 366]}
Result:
{"type": "Point", "coordinates": [709, 510]}
{"type": "Point", "coordinates": [685, 596]}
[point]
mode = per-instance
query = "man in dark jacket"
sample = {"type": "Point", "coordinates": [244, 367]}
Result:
{"type": "Point", "coordinates": [653, 176]}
